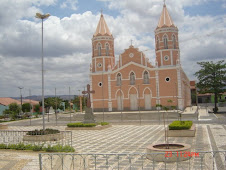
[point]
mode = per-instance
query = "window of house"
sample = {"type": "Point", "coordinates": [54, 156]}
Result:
{"type": "Point", "coordinates": [119, 79]}
{"type": "Point", "coordinates": [165, 40]}
{"type": "Point", "coordinates": [132, 78]}
{"type": "Point", "coordinates": [146, 78]}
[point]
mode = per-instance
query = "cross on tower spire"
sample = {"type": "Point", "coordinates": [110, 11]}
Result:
{"type": "Point", "coordinates": [101, 11]}
{"type": "Point", "coordinates": [131, 42]}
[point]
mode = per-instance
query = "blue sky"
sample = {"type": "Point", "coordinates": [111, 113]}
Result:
{"type": "Point", "coordinates": [69, 29]}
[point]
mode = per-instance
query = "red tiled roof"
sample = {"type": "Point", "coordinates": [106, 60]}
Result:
{"type": "Point", "coordinates": [33, 102]}
{"type": "Point", "coordinates": [7, 101]}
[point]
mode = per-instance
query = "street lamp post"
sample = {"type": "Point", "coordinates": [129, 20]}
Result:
{"type": "Point", "coordinates": [42, 17]}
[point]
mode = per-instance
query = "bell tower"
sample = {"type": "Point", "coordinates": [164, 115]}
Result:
{"type": "Point", "coordinates": [166, 41]}
{"type": "Point", "coordinates": [103, 57]}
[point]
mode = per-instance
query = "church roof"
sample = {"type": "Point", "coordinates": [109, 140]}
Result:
{"type": "Point", "coordinates": [102, 28]}
{"type": "Point", "coordinates": [165, 19]}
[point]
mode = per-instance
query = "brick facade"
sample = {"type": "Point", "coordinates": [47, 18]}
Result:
{"type": "Point", "coordinates": [133, 83]}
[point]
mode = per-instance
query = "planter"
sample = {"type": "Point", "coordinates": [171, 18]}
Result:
{"type": "Point", "coordinates": [182, 133]}
{"type": "Point", "coordinates": [2, 127]}
{"type": "Point", "coordinates": [49, 137]}
{"type": "Point", "coordinates": [98, 127]}
{"type": "Point", "coordinates": [176, 152]}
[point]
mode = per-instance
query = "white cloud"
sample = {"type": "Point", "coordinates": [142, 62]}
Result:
{"type": "Point", "coordinates": [72, 4]}
{"type": "Point", "coordinates": [67, 41]}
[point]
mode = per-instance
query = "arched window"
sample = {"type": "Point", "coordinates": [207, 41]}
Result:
{"type": "Point", "coordinates": [119, 79]}
{"type": "Point", "coordinates": [165, 40]}
{"type": "Point", "coordinates": [132, 78]}
{"type": "Point", "coordinates": [157, 43]}
{"type": "Point", "coordinates": [107, 49]}
{"type": "Point", "coordinates": [146, 78]}
{"type": "Point", "coordinates": [174, 41]}
{"type": "Point", "coordinates": [99, 49]}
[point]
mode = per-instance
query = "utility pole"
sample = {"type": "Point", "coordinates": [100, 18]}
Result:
{"type": "Point", "coordinates": [30, 106]}
{"type": "Point", "coordinates": [103, 93]}
{"type": "Point", "coordinates": [55, 106]}
{"type": "Point", "coordinates": [20, 97]}
{"type": "Point", "coordinates": [70, 102]}
{"type": "Point", "coordinates": [139, 102]}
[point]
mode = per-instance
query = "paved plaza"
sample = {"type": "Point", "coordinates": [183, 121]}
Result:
{"type": "Point", "coordinates": [120, 139]}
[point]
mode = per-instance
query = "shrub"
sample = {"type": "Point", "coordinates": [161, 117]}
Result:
{"type": "Point", "coordinates": [41, 132]}
{"type": "Point", "coordinates": [3, 146]}
{"type": "Point", "coordinates": [104, 123]}
{"type": "Point", "coordinates": [22, 146]}
{"type": "Point", "coordinates": [79, 124]}
{"type": "Point", "coordinates": [179, 125]}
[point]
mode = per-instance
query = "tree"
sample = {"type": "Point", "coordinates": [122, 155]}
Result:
{"type": "Point", "coordinates": [76, 101]}
{"type": "Point", "coordinates": [13, 111]}
{"type": "Point", "coordinates": [26, 107]}
{"type": "Point", "coordinates": [212, 79]}
{"type": "Point", "coordinates": [52, 102]}
{"type": "Point", "coordinates": [37, 108]}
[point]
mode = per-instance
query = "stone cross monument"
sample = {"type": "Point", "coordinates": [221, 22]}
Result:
{"type": "Point", "coordinates": [88, 117]}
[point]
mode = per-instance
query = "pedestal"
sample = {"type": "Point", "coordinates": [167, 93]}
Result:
{"type": "Point", "coordinates": [89, 116]}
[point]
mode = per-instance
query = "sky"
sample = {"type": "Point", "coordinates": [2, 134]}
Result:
{"type": "Point", "coordinates": [69, 30]}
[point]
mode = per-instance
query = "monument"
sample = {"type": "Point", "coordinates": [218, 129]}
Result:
{"type": "Point", "coordinates": [89, 116]}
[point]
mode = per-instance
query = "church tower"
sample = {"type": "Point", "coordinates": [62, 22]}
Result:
{"type": "Point", "coordinates": [103, 57]}
{"type": "Point", "coordinates": [103, 61]}
{"type": "Point", "coordinates": [166, 41]}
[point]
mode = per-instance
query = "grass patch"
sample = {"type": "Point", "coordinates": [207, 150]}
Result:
{"type": "Point", "coordinates": [22, 146]}
{"type": "Point", "coordinates": [79, 124]}
{"type": "Point", "coordinates": [41, 132]}
{"type": "Point", "coordinates": [180, 125]}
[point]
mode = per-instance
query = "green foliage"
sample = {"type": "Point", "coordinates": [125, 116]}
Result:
{"type": "Point", "coordinates": [52, 102]}
{"type": "Point", "coordinates": [59, 148]}
{"type": "Point", "coordinates": [26, 107]}
{"type": "Point", "coordinates": [37, 108]}
{"type": "Point", "coordinates": [81, 124]}
{"type": "Point", "coordinates": [13, 111]}
{"type": "Point", "coordinates": [14, 108]}
{"type": "Point", "coordinates": [41, 132]}
{"type": "Point", "coordinates": [76, 101]}
{"type": "Point", "coordinates": [37, 147]}
{"type": "Point", "coordinates": [22, 146]}
{"type": "Point", "coordinates": [212, 78]}
{"type": "Point", "coordinates": [180, 125]}
{"type": "Point", "coordinates": [104, 123]}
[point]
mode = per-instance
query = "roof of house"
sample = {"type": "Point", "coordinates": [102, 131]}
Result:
{"type": "Point", "coordinates": [7, 101]}
{"type": "Point", "coordinates": [33, 102]}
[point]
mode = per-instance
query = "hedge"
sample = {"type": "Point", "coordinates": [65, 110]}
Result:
{"type": "Point", "coordinates": [22, 146]}
{"type": "Point", "coordinates": [81, 124]}
{"type": "Point", "coordinates": [41, 132]}
{"type": "Point", "coordinates": [180, 125]}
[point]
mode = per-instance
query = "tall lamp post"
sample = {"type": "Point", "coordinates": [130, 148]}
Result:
{"type": "Point", "coordinates": [42, 17]}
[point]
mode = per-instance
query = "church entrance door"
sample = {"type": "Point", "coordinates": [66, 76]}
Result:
{"type": "Point", "coordinates": [147, 99]}
{"type": "Point", "coordinates": [120, 102]}
{"type": "Point", "coordinates": [133, 102]}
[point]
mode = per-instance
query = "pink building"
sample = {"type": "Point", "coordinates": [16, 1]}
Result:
{"type": "Point", "coordinates": [133, 83]}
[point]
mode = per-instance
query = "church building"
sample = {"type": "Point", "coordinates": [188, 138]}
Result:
{"type": "Point", "coordinates": [132, 82]}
